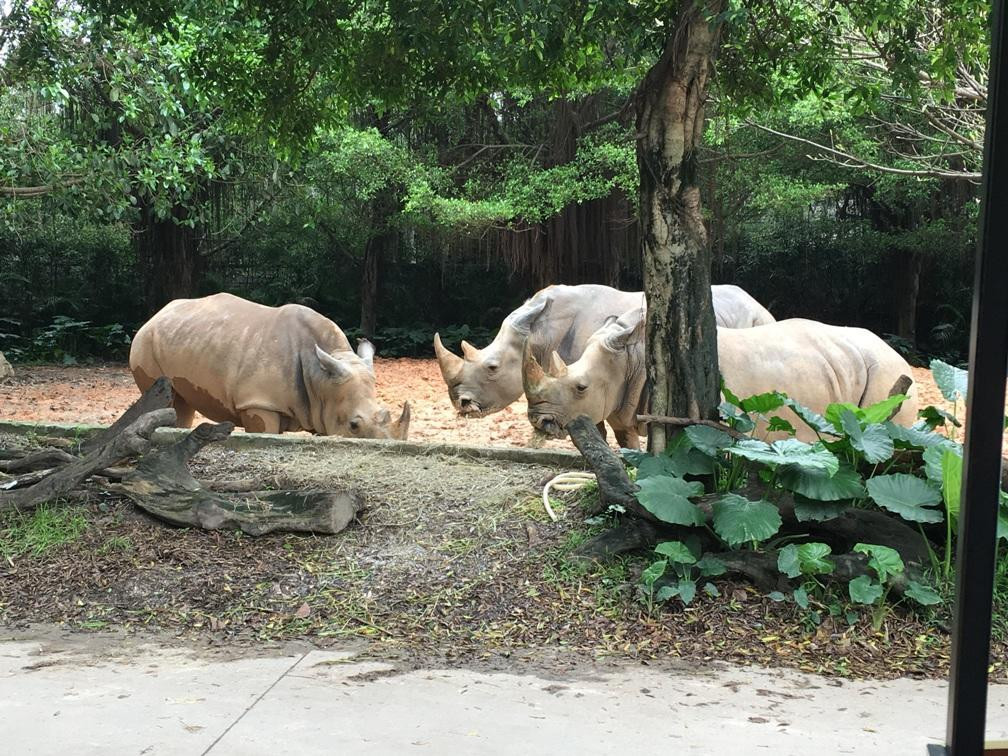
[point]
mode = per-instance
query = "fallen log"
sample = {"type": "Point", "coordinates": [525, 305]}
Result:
{"type": "Point", "coordinates": [129, 442]}
{"type": "Point", "coordinates": [37, 460]}
{"type": "Point", "coordinates": [162, 486]}
{"type": "Point", "coordinates": [615, 487]}
{"type": "Point", "coordinates": [158, 396]}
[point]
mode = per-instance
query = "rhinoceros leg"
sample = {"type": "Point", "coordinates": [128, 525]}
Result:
{"type": "Point", "coordinates": [184, 413]}
{"type": "Point", "coordinates": [260, 421]}
{"type": "Point", "coordinates": [627, 439]}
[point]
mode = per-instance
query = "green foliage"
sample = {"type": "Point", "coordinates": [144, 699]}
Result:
{"type": "Point", "coordinates": [47, 528]}
{"type": "Point", "coordinates": [738, 520]}
{"type": "Point", "coordinates": [907, 495]}
{"type": "Point", "coordinates": [667, 498]}
{"type": "Point", "coordinates": [805, 559]}
{"type": "Point", "coordinates": [951, 381]}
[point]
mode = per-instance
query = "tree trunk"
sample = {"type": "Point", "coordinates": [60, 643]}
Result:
{"type": "Point", "coordinates": [681, 333]}
{"type": "Point", "coordinates": [168, 254]}
{"type": "Point", "coordinates": [377, 249]}
{"type": "Point", "coordinates": [908, 288]}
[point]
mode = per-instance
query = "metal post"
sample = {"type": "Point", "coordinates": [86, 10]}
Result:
{"type": "Point", "coordinates": [967, 711]}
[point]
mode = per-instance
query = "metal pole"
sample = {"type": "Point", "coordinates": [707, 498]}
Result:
{"type": "Point", "coordinates": [967, 711]}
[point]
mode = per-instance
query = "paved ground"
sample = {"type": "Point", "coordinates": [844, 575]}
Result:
{"type": "Point", "coordinates": [70, 696]}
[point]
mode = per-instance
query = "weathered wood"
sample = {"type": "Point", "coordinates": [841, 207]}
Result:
{"type": "Point", "coordinates": [158, 396]}
{"type": "Point", "coordinates": [630, 535]}
{"type": "Point", "coordinates": [615, 486]}
{"type": "Point", "coordinates": [130, 442]}
{"type": "Point", "coordinates": [37, 460]}
{"type": "Point", "coordinates": [902, 385]}
{"type": "Point", "coordinates": [685, 422]}
{"type": "Point", "coordinates": [163, 486]}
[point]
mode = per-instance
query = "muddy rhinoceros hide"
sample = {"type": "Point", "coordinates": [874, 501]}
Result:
{"type": "Point", "coordinates": [6, 371]}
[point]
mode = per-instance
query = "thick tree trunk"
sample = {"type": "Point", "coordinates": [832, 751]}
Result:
{"type": "Point", "coordinates": [908, 289]}
{"type": "Point", "coordinates": [168, 254]}
{"type": "Point", "coordinates": [681, 332]}
{"type": "Point", "coordinates": [378, 248]}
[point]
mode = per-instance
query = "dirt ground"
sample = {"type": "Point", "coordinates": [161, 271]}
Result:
{"type": "Point", "coordinates": [100, 393]}
{"type": "Point", "coordinates": [453, 562]}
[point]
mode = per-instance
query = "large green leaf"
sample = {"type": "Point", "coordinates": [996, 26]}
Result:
{"type": "Point", "coordinates": [813, 420]}
{"type": "Point", "coordinates": [711, 566]}
{"type": "Point", "coordinates": [708, 440]}
{"type": "Point", "coordinates": [952, 465]}
{"type": "Point", "coordinates": [764, 403]}
{"type": "Point", "coordinates": [687, 590]}
{"type": "Point", "coordinates": [650, 466]}
{"type": "Point", "coordinates": [813, 558]}
{"type": "Point", "coordinates": [814, 484]}
{"type": "Point", "coordinates": [633, 457]}
{"type": "Point", "coordinates": [906, 495]}
{"type": "Point", "coordinates": [834, 412]}
{"type": "Point", "coordinates": [872, 441]}
{"type": "Point", "coordinates": [864, 590]}
{"type": "Point", "coordinates": [667, 499]}
{"type": "Point", "coordinates": [807, 510]}
{"type": "Point", "coordinates": [777, 423]}
{"type": "Point", "coordinates": [917, 437]}
{"type": "Point", "coordinates": [880, 411]}
{"type": "Point", "coordinates": [739, 520]}
{"type": "Point", "coordinates": [884, 560]}
{"type": "Point", "coordinates": [676, 552]}
{"type": "Point", "coordinates": [788, 451]}
{"type": "Point", "coordinates": [951, 381]}
{"type": "Point", "coordinates": [787, 561]}
{"type": "Point", "coordinates": [687, 460]}
{"type": "Point", "coordinates": [654, 571]}
{"type": "Point", "coordinates": [922, 594]}
{"type": "Point", "coordinates": [736, 418]}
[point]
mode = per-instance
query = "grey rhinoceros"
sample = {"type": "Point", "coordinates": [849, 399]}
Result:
{"type": "Point", "coordinates": [560, 319]}
{"type": "Point", "coordinates": [813, 363]}
{"type": "Point", "coordinates": [267, 369]}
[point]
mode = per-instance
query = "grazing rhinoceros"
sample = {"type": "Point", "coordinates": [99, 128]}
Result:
{"type": "Point", "coordinates": [561, 319]}
{"type": "Point", "coordinates": [267, 369]}
{"type": "Point", "coordinates": [813, 363]}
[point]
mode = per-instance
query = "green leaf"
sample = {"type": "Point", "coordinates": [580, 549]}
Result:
{"type": "Point", "coordinates": [922, 594]}
{"type": "Point", "coordinates": [711, 590]}
{"type": "Point", "coordinates": [653, 572]}
{"type": "Point", "coordinates": [787, 561]}
{"type": "Point", "coordinates": [801, 597]}
{"type": "Point", "coordinates": [917, 437]}
{"type": "Point", "coordinates": [685, 459]}
{"type": "Point", "coordinates": [845, 484]}
{"type": "Point", "coordinates": [951, 381]}
{"type": "Point", "coordinates": [676, 552]}
{"type": "Point", "coordinates": [729, 396]}
{"type": "Point", "coordinates": [873, 441]}
{"type": "Point", "coordinates": [666, 592]}
{"type": "Point", "coordinates": [776, 596]}
{"type": "Point", "coordinates": [884, 560]}
{"type": "Point", "coordinates": [935, 416]}
{"type": "Point", "coordinates": [951, 465]}
{"type": "Point", "coordinates": [864, 590]}
{"type": "Point", "coordinates": [906, 495]}
{"type": "Point", "coordinates": [764, 403]}
{"type": "Point", "coordinates": [807, 510]}
{"type": "Point", "coordinates": [739, 520]}
{"type": "Point", "coordinates": [880, 411]}
{"type": "Point", "coordinates": [667, 499]}
{"type": "Point", "coordinates": [687, 591]}
{"type": "Point", "coordinates": [711, 566]}
{"type": "Point", "coordinates": [835, 411]}
{"type": "Point", "coordinates": [736, 418]}
{"type": "Point", "coordinates": [788, 451]}
{"type": "Point", "coordinates": [650, 466]}
{"type": "Point", "coordinates": [813, 420]}
{"type": "Point", "coordinates": [708, 440]}
{"type": "Point", "coordinates": [634, 457]}
{"type": "Point", "coordinates": [777, 423]}
{"type": "Point", "coordinates": [813, 558]}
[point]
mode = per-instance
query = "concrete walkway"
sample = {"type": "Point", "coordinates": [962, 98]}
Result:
{"type": "Point", "coordinates": [66, 699]}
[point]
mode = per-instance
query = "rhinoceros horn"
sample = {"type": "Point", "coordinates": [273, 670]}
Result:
{"type": "Point", "coordinates": [558, 368]}
{"type": "Point", "coordinates": [469, 352]}
{"type": "Point", "coordinates": [532, 372]}
{"type": "Point", "coordinates": [401, 428]}
{"type": "Point", "coordinates": [450, 364]}
{"type": "Point", "coordinates": [366, 351]}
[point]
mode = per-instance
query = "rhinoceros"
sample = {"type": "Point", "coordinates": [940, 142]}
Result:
{"type": "Point", "coordinates": [267, 369]}
{"type": "Point", "coordinates": [813, 363]}
{"type": "Point", "coordinates": [561, 319]}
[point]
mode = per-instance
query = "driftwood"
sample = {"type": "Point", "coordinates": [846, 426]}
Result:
{"type": "Point", "coordinates": [158, 396]}
{"type": "Point", "coordinates": [615, 486]}
{"type": "Point", "coordinates": [163, 486]}
{"type": "Point", "coordinates": [38, 460]}
{"type": "Point", "coordinates": [132, 441]}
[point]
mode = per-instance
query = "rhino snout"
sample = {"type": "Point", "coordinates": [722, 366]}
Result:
{"type": "Point", "coordinates": [469, 407]}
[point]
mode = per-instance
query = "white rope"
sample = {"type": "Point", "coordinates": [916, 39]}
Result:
{"type": "Point", "coordinates": [567, 481]}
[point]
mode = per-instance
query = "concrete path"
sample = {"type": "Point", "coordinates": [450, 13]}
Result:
{"type": "Point", "coordinates": [66, 699]}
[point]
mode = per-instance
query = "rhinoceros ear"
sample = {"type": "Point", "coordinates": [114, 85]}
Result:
{"type": "Point", "coordinates": [532, 372]}
{"type": "Point", "coordinates": [334, 367]}
{"type": "Point", "coordinates": [366, 351]}
{"type": "Point", "coordinates": [558, 368]}
{"type": "Point", "coordinates": [627, 330]}
{"type": "Point", "coordinates": [449, 363]}
{"type": "Point", "coordinates": [525, 316]}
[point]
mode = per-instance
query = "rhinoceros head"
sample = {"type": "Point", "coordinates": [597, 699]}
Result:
{"type": "Point", "coordinates": [483, 381]}
{"type": "Point", "coordinates": [592, 386]}
{"type": "Point", "coordinates": [346, 401]}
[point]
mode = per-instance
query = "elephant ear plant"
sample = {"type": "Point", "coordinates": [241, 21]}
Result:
{"type": "Point", "coordinates": [869, 505]}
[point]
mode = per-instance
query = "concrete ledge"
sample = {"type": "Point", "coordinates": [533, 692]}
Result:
{"type": "Point", "coordinates": [547, 457]}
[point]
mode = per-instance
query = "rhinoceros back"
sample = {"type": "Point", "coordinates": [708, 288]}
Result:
{"type": "Point", "coordinates": [224, 354]}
